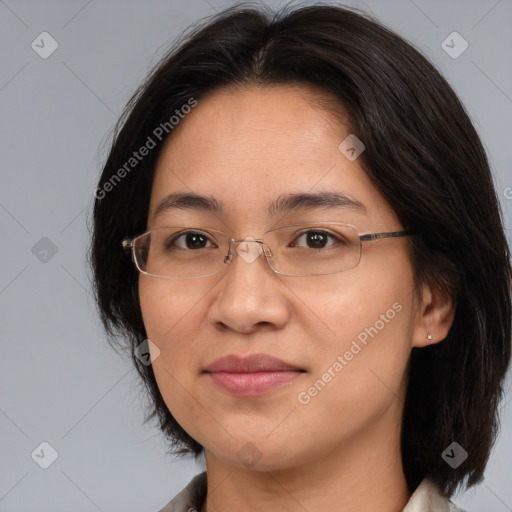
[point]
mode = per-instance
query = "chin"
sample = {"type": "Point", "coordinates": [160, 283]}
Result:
{"type": "Point", "coordinates": [257, 454]}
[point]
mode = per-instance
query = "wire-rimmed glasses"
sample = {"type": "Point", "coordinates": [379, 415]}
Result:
{"type": "Point", "coordinates": [306, 249]}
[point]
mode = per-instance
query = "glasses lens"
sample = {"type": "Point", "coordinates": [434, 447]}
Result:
{"type": "Point", "coordinates": [305, 249]}
{"type": "Point", "coordinates": [314, 249]}
{"type": "Point", "coordinates": [180, 252]}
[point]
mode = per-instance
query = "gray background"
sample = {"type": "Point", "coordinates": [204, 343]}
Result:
{"type": "Point", "coordinates": [60, 382]}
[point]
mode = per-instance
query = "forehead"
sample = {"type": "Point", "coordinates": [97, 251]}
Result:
{"type": "Point", "coordinates": [246, 147]}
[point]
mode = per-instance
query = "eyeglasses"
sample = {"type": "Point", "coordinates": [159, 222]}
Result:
{"type": "Point", "coordinates": [311, 249]}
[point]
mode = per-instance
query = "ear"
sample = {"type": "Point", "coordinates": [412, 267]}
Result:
{"type": "Point", "coordinates": [435, 316]}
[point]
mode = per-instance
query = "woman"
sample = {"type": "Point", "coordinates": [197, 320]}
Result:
{"type": "Point", "coordinates": [297, 236]}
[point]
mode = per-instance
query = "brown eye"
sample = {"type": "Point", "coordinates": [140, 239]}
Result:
{"type": "Point", "coordinates": [317, 239]}
{"type": "Point", "coordinates": [189, 240]}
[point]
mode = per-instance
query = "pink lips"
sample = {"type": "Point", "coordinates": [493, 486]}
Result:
{"type": "Point", "coordinates": [251, 375]}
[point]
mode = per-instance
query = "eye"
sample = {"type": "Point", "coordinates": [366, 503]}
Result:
{"type": "Point", "coordinates": [188, 240]}
{"type": "Point", "coordinates": [317, 239]}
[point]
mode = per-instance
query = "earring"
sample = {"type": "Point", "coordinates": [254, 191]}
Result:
{"type": "Point", "coordinates": [429, 336]}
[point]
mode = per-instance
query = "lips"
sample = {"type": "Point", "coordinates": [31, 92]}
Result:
{"type": "Point", "coordinates": [252, 375]}
{"type": "Point", "coordinates": [250, 364]}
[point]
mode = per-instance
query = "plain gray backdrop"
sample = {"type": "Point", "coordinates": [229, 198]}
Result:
{"type": "Point", "coordinates": [60, 382]}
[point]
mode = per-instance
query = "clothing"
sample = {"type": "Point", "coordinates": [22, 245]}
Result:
{"type": "Point", "coordinates": [426, 498]}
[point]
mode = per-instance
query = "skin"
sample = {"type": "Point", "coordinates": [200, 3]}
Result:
{"type": "Point", "coordinates": [341, 451]}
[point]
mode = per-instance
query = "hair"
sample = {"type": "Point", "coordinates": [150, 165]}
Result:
{"type": "Point", "coordinates": [422, 153]}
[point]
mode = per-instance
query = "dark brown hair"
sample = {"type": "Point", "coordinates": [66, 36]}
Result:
{"type": "Point", "coordinates": [422, 153]}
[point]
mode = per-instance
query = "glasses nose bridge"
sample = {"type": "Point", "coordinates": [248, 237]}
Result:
{"type": "Point", "coordinates": [234, 243]}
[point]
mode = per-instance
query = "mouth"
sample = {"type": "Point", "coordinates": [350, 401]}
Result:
{"type": "Point", "coordinates": [252, 375]}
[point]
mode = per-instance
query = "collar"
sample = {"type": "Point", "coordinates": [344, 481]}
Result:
{"type": "Point", "coordinates": [426, 498]}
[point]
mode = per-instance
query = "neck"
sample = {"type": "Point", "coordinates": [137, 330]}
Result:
{"type": "Point", "coordinates": [365, 473]}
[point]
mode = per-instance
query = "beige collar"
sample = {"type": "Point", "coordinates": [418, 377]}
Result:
{"type": "Point", "coordinates": [426, 498]}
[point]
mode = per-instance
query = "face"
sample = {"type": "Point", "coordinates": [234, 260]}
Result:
{"type": "Point", "coordinates": [344, 339]}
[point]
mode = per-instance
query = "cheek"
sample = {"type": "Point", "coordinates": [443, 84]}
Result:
{"type": "Point", "coordinates": [370, 320]}
{"type": "Point", "coordinates": [359, 374]}
{"type": "Point", "coordinates": [168, 305]}
{"type": "Point", "coordinates": [171, 314]}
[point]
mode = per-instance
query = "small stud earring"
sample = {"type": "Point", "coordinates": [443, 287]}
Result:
{"type": "Point", "coordinates": [429, 336]}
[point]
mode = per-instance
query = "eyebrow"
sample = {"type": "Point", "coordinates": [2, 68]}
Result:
{"type": "Point", "coordinates": [283, 204]}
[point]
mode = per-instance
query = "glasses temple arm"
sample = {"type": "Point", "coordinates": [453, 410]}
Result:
{"type": "Point", "coordinates": [391, 234]}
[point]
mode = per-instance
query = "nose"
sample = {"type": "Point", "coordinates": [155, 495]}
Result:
{"type": "Point", "coordinates": [250, 296]}
{"type": "Point", "coordinates": [247, 248]}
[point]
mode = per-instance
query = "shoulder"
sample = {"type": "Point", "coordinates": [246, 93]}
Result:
{"type": "Point", "coordinates": [190, 498]}
{"type": "Point", "coordinates": [428, 498]}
